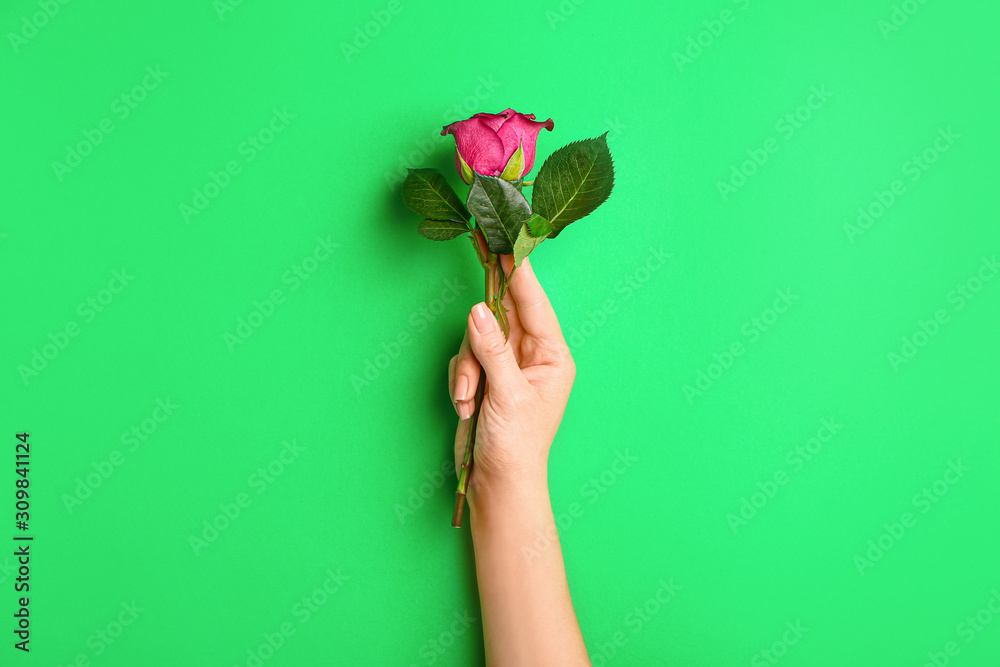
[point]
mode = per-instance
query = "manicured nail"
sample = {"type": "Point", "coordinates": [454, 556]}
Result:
{"type": "Point", "coordinates": [461, 388]}
{"type": "Point", "coordinates": [464, 410]}
{"type": "Point", "coordinates": [483, 319]}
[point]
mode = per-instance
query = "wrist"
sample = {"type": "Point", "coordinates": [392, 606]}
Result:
{"type": "Point", "coordinates": [525, 491]}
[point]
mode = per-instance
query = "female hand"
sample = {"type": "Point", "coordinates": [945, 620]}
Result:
{"type": "Point", "coordinates": [529, 381]}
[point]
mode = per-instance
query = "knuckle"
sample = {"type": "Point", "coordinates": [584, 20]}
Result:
{"type": "Point", "coordinates": [571, 372]}
{"type": "Point", "coordinates": [564, 358]}
{"type": "Point", "coordinates": [494, 346]}
{"type": "Point", "coordinates": [557, 349]}
{"type": "Point", "coordinates": [565, 368]}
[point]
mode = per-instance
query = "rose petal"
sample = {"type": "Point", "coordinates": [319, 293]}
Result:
{"type": "Point", "coordinates": [479, 145]}
{"type": "Point", "coordinates": [494, 120]}
{"type": "Point", "coordinates": [519, 128]}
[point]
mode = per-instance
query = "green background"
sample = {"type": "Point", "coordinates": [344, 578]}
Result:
{"type": "Point", "coordinates": [714, 503]}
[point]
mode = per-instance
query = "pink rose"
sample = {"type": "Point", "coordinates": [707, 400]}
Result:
{"type": "Point", "coordinates": [486, 143]}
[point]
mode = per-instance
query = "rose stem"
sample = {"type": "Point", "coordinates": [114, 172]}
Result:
{"type": "Point", "coordinates": [470, 444]}
{"type": "Point", "coordinates": [490, 266]}
{"type": "Point", "coordinates": [475, 244]}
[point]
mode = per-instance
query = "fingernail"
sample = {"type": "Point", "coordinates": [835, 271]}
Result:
{"type": "Point", "coordinates": [483, 319]}
{"type": "Point", "coordinates": [464, 410]}
{"type": "Point", "coordinates": [461, 388]}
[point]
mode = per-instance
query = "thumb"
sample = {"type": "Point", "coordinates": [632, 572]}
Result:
{"type": "Point", "coordinates": [494, 353]}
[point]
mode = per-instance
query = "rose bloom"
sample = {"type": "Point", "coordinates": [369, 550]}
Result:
{"type": "Point", "coordinates": [486, 142]}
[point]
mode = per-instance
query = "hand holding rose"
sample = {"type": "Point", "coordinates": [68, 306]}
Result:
{"type": "Point", "coordinates": [530, 376]}
{"type": "Point", "coordinates": [493, 152]}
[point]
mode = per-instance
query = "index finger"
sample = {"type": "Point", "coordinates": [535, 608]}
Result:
{"type": "Point", "coordinates": [533, 306]}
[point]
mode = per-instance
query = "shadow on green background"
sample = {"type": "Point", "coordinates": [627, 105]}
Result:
{"type": "Point", "coordinates": [782, 442]}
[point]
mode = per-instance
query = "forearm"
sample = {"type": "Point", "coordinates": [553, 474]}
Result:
{"type": "Point", "coordinates": [528, 616]}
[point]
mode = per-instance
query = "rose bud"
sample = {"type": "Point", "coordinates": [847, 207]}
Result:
{"type": "Point", "coordinates": [496, 144]}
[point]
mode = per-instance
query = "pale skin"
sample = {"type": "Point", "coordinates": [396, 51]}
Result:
{"type": "Point", "coordinates": [528, 616]}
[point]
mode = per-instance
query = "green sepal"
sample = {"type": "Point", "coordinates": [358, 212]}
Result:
{"type": "Point", "coordinates": [524, 244]}
{"type": "Point", "coordinates": [515, 165]}
{"type": "Point", "coordinates": [537, 225]}
{"type": "Point", "coordinates": [466, 171]}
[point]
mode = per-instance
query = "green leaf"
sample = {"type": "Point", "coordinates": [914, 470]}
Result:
{"type": "Point", "coordinates": [441, 230]}
{"type": "Point", "coordinates": [427, 193]}
{"type": "Point", "coordinates": [524, 244]}
{"type": "Point", "coordinates": [515, 165]}
{"type": "Point", "coordinates": [500, 210]}
{"type": "Point", "coordinates": [538, 226]}
{"type": "Point", "coordinates": [574, 181]}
